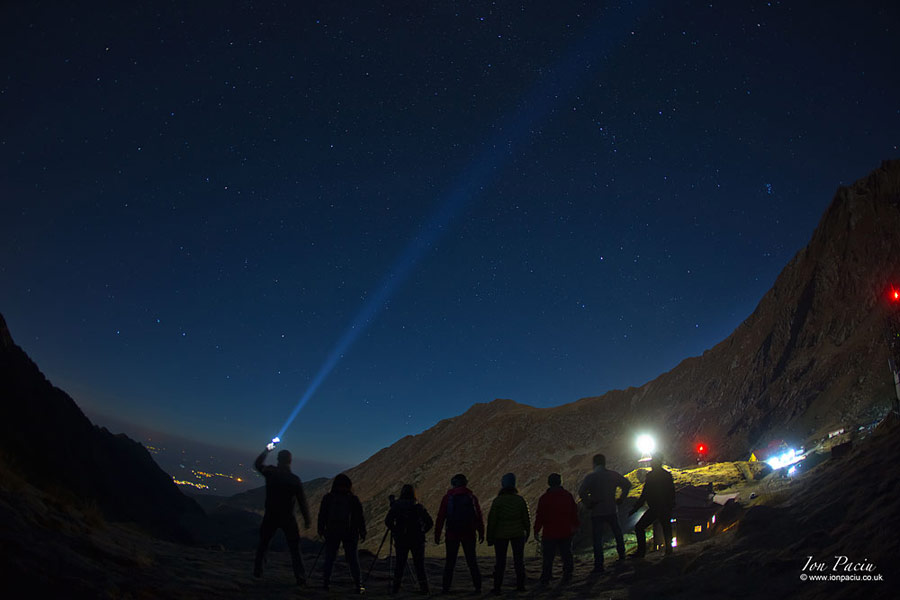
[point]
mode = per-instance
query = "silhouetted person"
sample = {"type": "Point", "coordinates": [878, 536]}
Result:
{"type": "Point", "coordinates": [409, 522]}
{"type": "Point", "coordinates": [598, 492]}
{"type": "Point", "coordinates": [557, 516]}
{"type": "Point", "coordinates": [341, 522]}
{"type": "Point", "coordinates": [509, 524]}
{"type": "Point", "coordinates": [282, 488]}
{"type": "Point", "coordinates": [462, 514]}
{"type": "Point", "coordinates": [659, 494]}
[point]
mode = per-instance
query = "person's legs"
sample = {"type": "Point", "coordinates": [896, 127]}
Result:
{"type": "Point", "coordinates": [452, 548]}
{"type": "Point", "coordinates": [640, 532]}
{"type": "Point", "coordinates": [565, 550]}
{"type": "Point", "coordinates": [518, 550]}
{"type": "Point", "coordinates": [400, 565]}
{"type": "Point", "coordinates": [500, 547]}
{"type": "Point", "coordinates": [418, 556]}
{"type": "Point", "coordinates": [292, 534]}
{"type": "Point", "coordinates": [613, 521]}
{"type": "Point", "coordinates": [548, 552]}
{"type": "Point", "coordinates": [331, 548]}
{"type": "Point", "coordinates": [597, 539]}
{"type": "Point", "coordinates": [665, 520]}
{"type": "Point", "coordinates": [350, 545]}
{"type": "Point", "coordinates": [472, 563]}
{"type": "Point", "coordinates": [266, 531]}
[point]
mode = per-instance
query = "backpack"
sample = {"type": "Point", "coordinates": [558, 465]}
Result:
{"type": "Point", "coordinates": [340, 511]}
{"type": "Point", "coordinates": [460, 512]}
{"type": "Point", "coordinates": [408, 523]}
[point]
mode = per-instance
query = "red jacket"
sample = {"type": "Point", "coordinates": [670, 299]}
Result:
{"type": "Point", "coordinates": [469, 533]}
{"type": "Point", "coordinates": [557, 514]}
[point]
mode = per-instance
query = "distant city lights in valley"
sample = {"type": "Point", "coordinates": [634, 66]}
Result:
{"type": "Point", "coordinates": [201, 475]}
{"type": "Point", "coordinates": [199, 486]}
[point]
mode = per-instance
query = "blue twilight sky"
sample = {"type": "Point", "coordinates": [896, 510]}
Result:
{"type": "Point", "coordinates": [536, 201]}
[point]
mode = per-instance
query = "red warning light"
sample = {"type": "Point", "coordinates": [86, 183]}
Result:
{"type": "Point", "coordinates": [895, 295]}
{"type": "Point", "coordinates": [701, 448]}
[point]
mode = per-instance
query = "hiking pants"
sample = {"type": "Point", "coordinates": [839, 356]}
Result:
{"type": "Point", "coordinates": [332, 543]}
{"type": "Point", "coordinates": [518, 549]}
{"type": "Point", "coordinates": [452, 552]}
{"type": "Point", "coordinates": [291, 533]}
{"type": "Point", "coordinates": [548, 552]}
{"type": "Point", "coordinates": [417, 549]}
{"type": "Point", "coordinates": [597, 535]}
{"type": "Point", "coordinates": [653, 514]}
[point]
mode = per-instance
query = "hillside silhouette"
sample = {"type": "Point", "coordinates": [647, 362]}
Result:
{"type": "Point", "coordinates": [45, 436]}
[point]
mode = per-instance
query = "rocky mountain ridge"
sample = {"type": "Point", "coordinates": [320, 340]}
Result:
{"type": "Point", "coordinates": [812, 356]}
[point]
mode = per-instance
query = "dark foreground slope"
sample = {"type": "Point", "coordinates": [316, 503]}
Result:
{"type": "Point", "coordinates": [46, 438]}
{"type": "Point", "coordinates": [848, 508]}
{"type": "Point", "coordinates": [811, 358]}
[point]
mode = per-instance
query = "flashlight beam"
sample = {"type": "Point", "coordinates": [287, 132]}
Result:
{"type": "Point", "coordinates": [511, 135]}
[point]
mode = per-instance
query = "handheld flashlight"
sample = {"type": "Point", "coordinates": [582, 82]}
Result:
{"type": "Point", "coordinates": [271, 445]}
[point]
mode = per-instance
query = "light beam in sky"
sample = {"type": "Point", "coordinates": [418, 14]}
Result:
{"type": "Point", "coordinates": [511, 135]}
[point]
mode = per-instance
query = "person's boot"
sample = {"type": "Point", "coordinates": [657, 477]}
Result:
{"type": "Point", "coordinates": [445, 584]}
{"type": "Point", "coordinates": [520, 583]}
{"type": "Point", "coordinates": [641, 546]}
{"type": "Point", "coordinates": [299, 572]}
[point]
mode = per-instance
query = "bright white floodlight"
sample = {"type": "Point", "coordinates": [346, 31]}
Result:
{"type": "Point", "coordinates": [646, 444]}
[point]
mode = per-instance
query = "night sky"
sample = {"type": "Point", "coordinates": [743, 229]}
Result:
{"type": "Point", "coordinates": [205, 206]}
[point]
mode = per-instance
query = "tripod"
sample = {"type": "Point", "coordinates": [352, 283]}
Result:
{"type": "Point", "coordinates": [377, 552]}
{"type": "Point", "coordinates": [322, 547]}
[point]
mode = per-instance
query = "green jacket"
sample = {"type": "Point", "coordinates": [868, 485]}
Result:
{"type": "Point", "coordinates": [509, 518]}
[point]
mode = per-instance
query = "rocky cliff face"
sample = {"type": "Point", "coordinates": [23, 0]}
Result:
{"type": "Point", "coordinates": [810, 358]}
{"type": "Point", "coordinates": [48, 441]}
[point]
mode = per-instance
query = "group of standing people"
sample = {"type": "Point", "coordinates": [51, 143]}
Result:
{"type": "Point", "coordinates": [341, 522]}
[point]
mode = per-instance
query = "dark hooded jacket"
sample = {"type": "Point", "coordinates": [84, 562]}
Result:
{"type": "Point", "coordinates": [282, 487]}
{"type": "Point", "coordinates": [341, 512]}
{"type": "Point", "coordinates": [408, 521]}
{"type": "Point", "coordinates": [659, 490]}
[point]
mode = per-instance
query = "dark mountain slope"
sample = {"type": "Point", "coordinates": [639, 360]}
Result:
{"type": "Point", "coordinates": [46, 438]}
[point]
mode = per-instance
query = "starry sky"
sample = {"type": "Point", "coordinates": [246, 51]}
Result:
{"type": "Point", "coordinates": [206, 208]}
